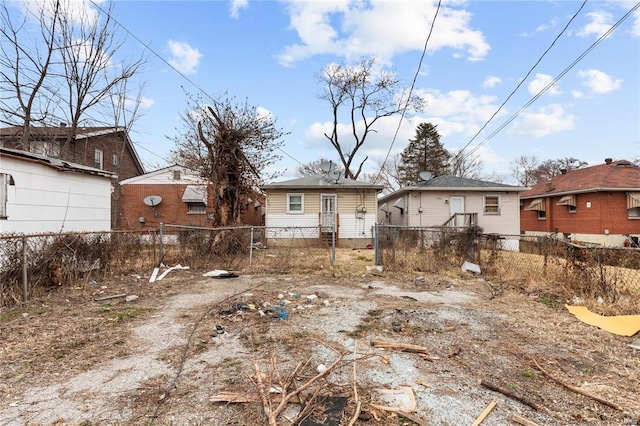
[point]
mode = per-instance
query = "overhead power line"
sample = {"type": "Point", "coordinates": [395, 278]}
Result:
{"type": "Point", "coordinates": [459, 154]}
{"type": "Point", "coordinates": [413, 83]}
{"type": "Point", "coordinates": [555, 80]}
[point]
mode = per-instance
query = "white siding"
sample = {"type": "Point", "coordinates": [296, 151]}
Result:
{"type": "Point", "coordinates": [47, 200]}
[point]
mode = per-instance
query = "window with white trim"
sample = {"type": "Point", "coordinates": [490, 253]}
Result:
{"type": "Point", "coordinates": [295, 203]}
{"type": "Point", "coordinates": [114, 163]}
{"type": "Point", "coordinates": [98, 159]}
{"type": "Point", "coordinates": [492, 204]}
{"type": "Point", "coordinates": [542, 215]}
{"type": "Point", "coordinates": [633, 213]}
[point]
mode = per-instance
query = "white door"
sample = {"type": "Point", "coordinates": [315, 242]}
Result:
{"type": "Point", "coordinates": [328, 210]}
{"type": "Point", "coordinates": [456, 205]}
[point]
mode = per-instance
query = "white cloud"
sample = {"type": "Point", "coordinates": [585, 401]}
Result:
{"type": "Point", "coordinates": [184, 57]}
{"type": "Point", "coordinates": [146, 102]}
{"type": "Point", "coordinates": [263, 112]}
{"type": "Point", "coordinates": [541, 28]}
{"type": "Point", "coordinates": [635, 30]}
{"type": "Point", "coordinates": [599, 82]}
{"type": "Point", "coordinates": [547, 120]}
{"type": "Point", "coordinates": [600, 24]}
{"type": "Point", "coordinates": [540, 82]}
{"type": "Point", "coordinates": [74, 10]}
{"type": "Point", "coordinates": [236, 5]}
{"type": "Point", "coordinates": [351, 28]}
{"type": "Point", "coordinates": [143, 102]}
{"type": "Point", "coordinates": [577, 94]}
{"type": "Point", "coordinates": [491, 81]}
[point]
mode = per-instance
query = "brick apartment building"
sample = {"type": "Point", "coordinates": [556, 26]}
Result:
{"type": "Point", "coordinates": [104, 148]}
{"type": "Point", "coordinates": [175, 195]}
{"type": "Point", "coordinates": [598, 204]}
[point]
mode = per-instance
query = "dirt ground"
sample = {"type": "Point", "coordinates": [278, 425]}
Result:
{"type": "Point", "coordinates": [159, 357]}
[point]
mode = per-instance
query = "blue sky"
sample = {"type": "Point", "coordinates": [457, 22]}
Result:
{"type": "Point", "coordinates": [270, 52]}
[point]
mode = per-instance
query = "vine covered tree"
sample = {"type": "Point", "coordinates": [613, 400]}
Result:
{"type": "Point", "coordinates": [425, 152]}
{"type": "Point", "coordinates": [230, 144]}
{"type": "Point", "coordinates": [360, 94]}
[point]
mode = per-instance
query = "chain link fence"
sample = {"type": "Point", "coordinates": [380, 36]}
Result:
{"type": "Point", "coordinates": [610, 273]}
{"type": "Point", "coordinates": [33, 264]}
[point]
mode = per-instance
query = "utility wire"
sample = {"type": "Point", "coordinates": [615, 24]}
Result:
{"type": "Point", "coordinates": [555, 80]}
{"type": "Point", "coordinates": [156, 54]}
{"type": "Point", "coordinates": [406, 105]}
{"type": "Point", "coordinates": [459, 154]}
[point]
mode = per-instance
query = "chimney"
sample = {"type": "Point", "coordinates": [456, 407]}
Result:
{"type": "Point", "coordinates": [563, 171]}
{"type": "Point", "coordinates": [63, 124]}
{"type": "Point", "coordinates": [608, 160]}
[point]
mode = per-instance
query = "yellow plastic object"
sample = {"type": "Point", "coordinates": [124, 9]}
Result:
{"type": "Point", "coordinates": [622, 325]}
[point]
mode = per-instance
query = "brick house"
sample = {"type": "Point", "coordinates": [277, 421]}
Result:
{"type": "Point", "coordinates": [104, 148]}
{"type": "Point", "coordinates": [598, 204]}
{"type": "Point", "coordinates": [179, 196]}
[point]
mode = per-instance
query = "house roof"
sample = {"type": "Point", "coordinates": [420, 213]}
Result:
{"type": "Point", "coordinates": [63, 166]}
{"type": "Point", "coordinates": [454, 183]}
{"type": "Point", "coordinates": [187, 176]}
{"type": "Point", "coordinates": [81, 133]}
{"type": "Point", "coordinates": [611, 176]}
{"type": "Point", "coordinates": [321, 182]}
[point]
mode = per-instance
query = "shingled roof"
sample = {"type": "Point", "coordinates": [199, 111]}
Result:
{"type": "Point", "coordinates": [619, 175]}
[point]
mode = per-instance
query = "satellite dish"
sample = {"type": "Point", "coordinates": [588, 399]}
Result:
{"type": "Point", "coordinates": [152, 200]}
{"type": "Point", "coordinates": [335, 175]}
{"type": "Point", "coordinates": [326, 166]}
{"type": "Point", "coordinates": [425, 176]}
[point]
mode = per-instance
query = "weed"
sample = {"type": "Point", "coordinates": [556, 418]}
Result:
{"type": "Point", "coordinates": [545, 299]}
{"type": "Point", "coordinates": [528, 374]}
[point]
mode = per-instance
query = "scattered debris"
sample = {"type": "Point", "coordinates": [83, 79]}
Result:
{"type": "Point", "coordinates": [485, 413]}
{"type": "Point", "coordinates": [244, 397]}
{"type": "Point", "coordinates": [155, 277]}
{"type": "Point", "coordinates": [327, 411]}
{"type": "Point", "coordinates": [131, 298]}
{"type": "Point", "coordinates": [412, 417]}
{"type": "Point", "coordinates": [219, 273]}
{"type": "Point", "coordinates": [400, 399]}
{"type": "Point", "coordinates": [115, 296]}
{"type": "Point", "coordinates": [622, 325]}
{"type": "Point", "coordinates": [523, 421]}
{"type": "Point", "coordinates": [377, 268]}
{"type": "Point", "coordinates": [404, 347]}
{"type": "Point", "coordinates": [635, 344]}
{"type": "Point", "coordinates": [510, 394]}
{"type": "Point", "coordinates": [471, 267]}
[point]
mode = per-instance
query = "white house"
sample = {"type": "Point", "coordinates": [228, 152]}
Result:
{"type": "Point", "coordinates": [39, 194]}
{"type": "Point", "coordinates": [455, 201]}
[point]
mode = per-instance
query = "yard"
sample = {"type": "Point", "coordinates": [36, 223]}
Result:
{"type": "Point", "coordinates": [175, 352]}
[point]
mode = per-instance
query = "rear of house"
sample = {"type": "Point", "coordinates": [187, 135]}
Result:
{"type": "Point", "coordinates": [306, 210]}
{"type": "Point", "coordinates": [598, 204]}
{"type": "Point", "coordinates": [42, 195]}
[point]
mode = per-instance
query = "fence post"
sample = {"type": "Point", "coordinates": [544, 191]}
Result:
{"type": "Point", "coordinates": [376, 246]}
{"type": "Point", "coordinates": [251, 247]}
{"type": "Point", "coordinates": [161, 248]}
{"type": "Point", "coordinates": [333, 244]}
{"type": "Point", "coordinates": [25, 286]}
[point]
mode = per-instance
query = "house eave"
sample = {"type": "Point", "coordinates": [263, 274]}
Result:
{"type": "Point", "coordinates": [579, 191]}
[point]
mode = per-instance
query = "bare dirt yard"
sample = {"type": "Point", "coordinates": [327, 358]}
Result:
{"type": "Point", "coordinates": [340, 348]}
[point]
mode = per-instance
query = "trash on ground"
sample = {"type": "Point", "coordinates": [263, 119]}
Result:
{"type": "Point", "coordinates": [220, 273]}
{"type": "Point", "coordinates": [131, 298]}
{"type": "Point", "coordinates": [404, 347]}
{"type": "Point", "coordinates": [328, 411]}
{"type": "Point", "coordinates": [622, 325]}
{"type": "Point", "coordinates": [400, 399]}
{"type": "Point", "coordinates": [377, 268]}
{"type": "Point", "coordinates": [471, 267]}
{"type": "Point", "coordinates": [635, 344]}
{"type": "Point", "coordinates": [164, 274]}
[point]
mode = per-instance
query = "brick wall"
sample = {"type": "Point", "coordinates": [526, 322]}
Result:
{"type": "Point", "coordinates": [607, 211]}
{"type": "Point", "coordinates": [171, 210]}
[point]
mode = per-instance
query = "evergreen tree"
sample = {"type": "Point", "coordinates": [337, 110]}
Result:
{"type": "Point", "coordinates": [424, 153]}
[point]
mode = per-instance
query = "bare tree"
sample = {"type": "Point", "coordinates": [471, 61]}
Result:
{"type": "Point", "coordinates": [467, 166]}
{"type": "Point", "coordinates": [361, 94]}
{"type": "Point", "coordinates": [24, 69]}
{"type": "Point", "coordinates": [88, 47]}
{"type": "Point", "coordinates": [316, 167]}
{"type": "Point", "coordinates": [522, 169]}
{"type": "Point", "coordinates": [231, 145]}
{"type": "Point", "coordinates": [387, 173]}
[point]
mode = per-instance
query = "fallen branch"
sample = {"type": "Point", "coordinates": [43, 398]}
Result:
{"type": "Point", "coordinates": [510, 394]}
{"type": "Point", "coordinates": [575, 389]}
{"type": "Point", "coordinates": [412, 417]}
{"type": "Point", "coordinates": [356, 414]}
{"type": "Point", "coordinates": [403, 347]}
{"type": "Point", "coordinates": [523, 421]}
{"type": "Point", "coordinates": [237, 397]}
{"type": "Point", "coordinates": [485, 413]}
{"type": "Point", "coordinates": [115, 296]}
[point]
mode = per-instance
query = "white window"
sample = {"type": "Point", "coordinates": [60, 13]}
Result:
{"type": "Point", "coordinates": [4, 181]}
{"type": "Point", "coordinates": [633, 213]}
{"type": "Point", "coordinates": [46, 148]}
{"type": "Point", "coordinates": [98, 159]}
{"type": "Point", "coordinates": [295, 203]}
{"type": "Point", "coordinates": [491, 204]}
{"type": "Point", "coordinates": [196, 208]}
